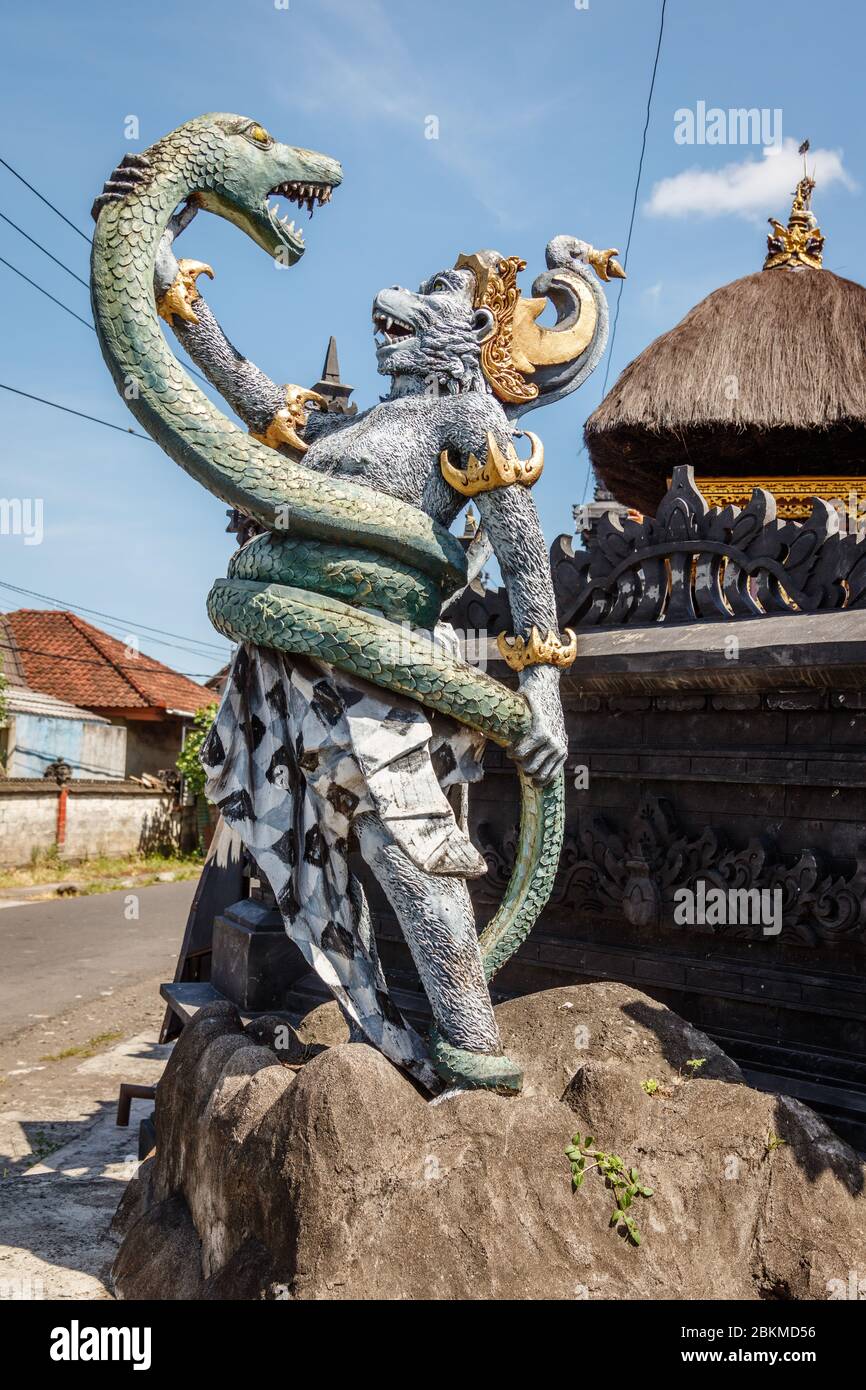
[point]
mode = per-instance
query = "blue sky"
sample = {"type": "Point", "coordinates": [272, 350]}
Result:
{"type": "Point", "coordinates": [540, 109]}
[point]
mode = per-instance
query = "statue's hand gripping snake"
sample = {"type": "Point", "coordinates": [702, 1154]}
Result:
{"type": "Point", "coordinates": [335, 550]}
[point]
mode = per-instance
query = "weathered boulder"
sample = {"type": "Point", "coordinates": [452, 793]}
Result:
{"type": "Point", "coordinates": [335, 1178]}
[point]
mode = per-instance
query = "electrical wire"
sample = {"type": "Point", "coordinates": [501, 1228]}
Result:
{"type": "Point", "coordinates": [43, 199]}
{"type": "Point", "coordinates": [140, 664]}
{"type": "Point", "coordinates": [61, 305]}
{"type": "Point", "coordinates": [112, 618]}
{"type": "Point", "coordinates": [80, 413]}
{"type": "Point", "coordinates": [631, 219]}
{"type": "Point", "coordinates": [44, 250]}
{"type": "Point", "coordinates": [36, 286]}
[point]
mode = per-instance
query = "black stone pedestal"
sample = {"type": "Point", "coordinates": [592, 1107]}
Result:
{"type": "Point", "coordinates": [254, 962]}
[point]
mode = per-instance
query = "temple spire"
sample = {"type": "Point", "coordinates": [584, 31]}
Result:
{"type": "Point", "coordinates": [331, 387]}
{"type": "Point", "coordinates": [331, 369]}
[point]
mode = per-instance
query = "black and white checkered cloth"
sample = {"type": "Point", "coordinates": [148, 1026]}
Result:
{"type": "Point", "coordinates": [299, 751]}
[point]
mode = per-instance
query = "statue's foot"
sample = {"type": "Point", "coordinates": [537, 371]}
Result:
{"type": "Point", "coordinates": [482, 1070]}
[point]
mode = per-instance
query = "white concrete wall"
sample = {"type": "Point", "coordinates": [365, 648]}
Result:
{"type": "Point", "coordinates": [99, 820]}
{"type": "Point", "coordinates": [27, 823]}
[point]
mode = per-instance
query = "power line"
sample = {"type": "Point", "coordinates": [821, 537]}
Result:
{"type": "Point", "coordinates": [152, 641]}
{"type": "Point", "coordinates": [58, 302]}
{"type": "Point", "coordinates": [80, 413]}
{"type": "Point", "coordinates": [61, 305]}
{"type": "Point", "coordinates": [44, 200]}
{"type": "Point", "coordinates": [62, 264]}
{"type": "Point", "coordinates": [140, 664]}
{"type": "Point", "coordinates": [43, 249]}
{"type": "Point", "coordinates": [631, 219]}
{"type": "Point", "coordinates": [112, 618]}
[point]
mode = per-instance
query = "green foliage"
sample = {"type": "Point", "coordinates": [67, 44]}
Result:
{"type": "Point", "coordinates": [624, 1182]}
{"type": "Point", "coordinates": [188, 764]}
{"type": "Point", "coordinates": [772, 1142]}
{"type": "Point", "coordinates": [652, 1087]}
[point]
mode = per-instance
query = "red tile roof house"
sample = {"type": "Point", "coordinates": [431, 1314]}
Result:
{"type": "Point", "coordinates": [62, 655]}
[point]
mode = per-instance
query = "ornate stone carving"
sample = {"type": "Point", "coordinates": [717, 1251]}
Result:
{"type": "Point", "coordinates": [635, 872]}
{"type": "Point", "coordinates": [693, 563]}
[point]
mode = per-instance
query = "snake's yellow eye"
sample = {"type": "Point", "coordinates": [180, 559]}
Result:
{"type": "Point", "coordinates": [258, 132]}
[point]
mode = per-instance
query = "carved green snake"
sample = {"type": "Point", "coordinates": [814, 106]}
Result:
{"type": "Point", "coordinates": [335, 550]}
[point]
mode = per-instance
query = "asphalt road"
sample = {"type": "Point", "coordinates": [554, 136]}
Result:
{"type": "Point", "coordinates": [55, 955]}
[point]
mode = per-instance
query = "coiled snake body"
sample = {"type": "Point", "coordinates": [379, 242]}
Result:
{"type": "Point", "coordinates": [335, 550]}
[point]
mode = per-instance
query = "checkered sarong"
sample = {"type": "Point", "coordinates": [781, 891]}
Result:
{"type": "Point", "coordinates": [299, 751]}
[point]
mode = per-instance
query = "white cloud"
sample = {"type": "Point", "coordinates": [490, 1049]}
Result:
{"type": "Point", "coordinates": [652, 294]}
{"type": "Point", "coordinates": [752, 188]}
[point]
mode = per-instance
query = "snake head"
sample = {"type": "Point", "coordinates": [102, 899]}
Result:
{"type": "Point", "coordinates": [250, 176]}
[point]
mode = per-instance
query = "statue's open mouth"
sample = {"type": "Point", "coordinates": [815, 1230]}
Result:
{"type": "Point", "coordinates": [387, 329]}
{"type": "Point", "coordinates": [304, 195]}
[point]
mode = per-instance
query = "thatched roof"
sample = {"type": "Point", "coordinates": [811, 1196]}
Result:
{"type": "Point", "coordinates": [765, 376]}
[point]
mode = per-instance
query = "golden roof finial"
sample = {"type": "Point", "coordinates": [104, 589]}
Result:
{"type": "Point", "coordinates": [801, 242]}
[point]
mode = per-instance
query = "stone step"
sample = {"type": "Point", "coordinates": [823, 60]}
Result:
{"type": "Point", "coordinates": [186, 997]}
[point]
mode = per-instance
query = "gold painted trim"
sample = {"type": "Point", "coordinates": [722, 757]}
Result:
{"type": "Point", "coordinates": [794, 494]}
{"type": "Point", "coordinates": [532, 346]}
{"type": "Point", "coordinates": [517, 345]}
{"type": "Point", "coordinates": [290, 418]}
{"type": "Point", "coordinates": [500, 470]}
{"type": "Point", "coordinates": [183, 292]}
{"type": "Point", "coordinates": [497, 290]}
{"type": "Point", "coordinates": [537, 651]}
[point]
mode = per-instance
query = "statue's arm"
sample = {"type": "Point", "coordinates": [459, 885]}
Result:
{"type": "Point", "coordinates": [260, 402]}
{"type": "Point", "coordinates": [246, 388]}
{"type": "Point", "coordinates": [510, 519]}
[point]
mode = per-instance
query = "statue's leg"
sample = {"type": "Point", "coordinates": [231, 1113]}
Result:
{"type": "Point", "coordinates": [436, 917]}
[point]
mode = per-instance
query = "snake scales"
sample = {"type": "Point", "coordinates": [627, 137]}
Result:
{"type": "Point", "coordinates": [334, 550]}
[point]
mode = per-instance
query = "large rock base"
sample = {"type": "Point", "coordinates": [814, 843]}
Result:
{"type": "Point", "coordinates": [321, 1172]}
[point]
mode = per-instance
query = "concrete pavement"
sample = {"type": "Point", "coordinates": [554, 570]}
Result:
{"type": "Point", "coordinates": [79, 1013]}
{"type": "Point", "coordinates": [54, 955]}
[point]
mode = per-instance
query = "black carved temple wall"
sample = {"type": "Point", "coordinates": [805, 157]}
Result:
{"type": "Point", "coordinates": [718, 705]}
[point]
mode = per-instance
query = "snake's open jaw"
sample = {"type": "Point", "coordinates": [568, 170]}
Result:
{"type": "Point", "coordinates": [305, 195]}
{"type": "Point", "coordinates": [263, 222]}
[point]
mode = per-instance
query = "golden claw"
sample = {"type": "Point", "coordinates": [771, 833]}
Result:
{"type": "Point", "coordinates": [605, 264]}
{"type": "Point", "coordinates": [291, 418]}
{"type": "Point", "coordinates": [183, 292]}
{"type": "Point", "coordinates": [537, 650]}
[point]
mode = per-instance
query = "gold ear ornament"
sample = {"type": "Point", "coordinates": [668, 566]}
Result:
{"type": "Point", "coordinates": [517, 345]}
